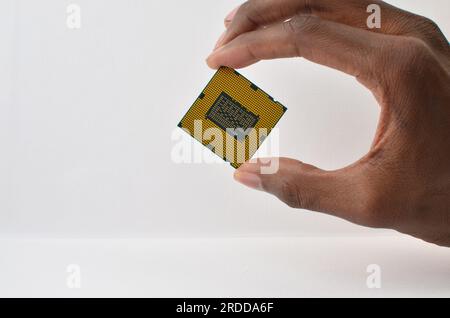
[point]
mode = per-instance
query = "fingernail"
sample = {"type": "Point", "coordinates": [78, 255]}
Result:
{"type": "Point", "coordinates": [220, 40]}
{"type": "Point", "coordinates": [250, 180]}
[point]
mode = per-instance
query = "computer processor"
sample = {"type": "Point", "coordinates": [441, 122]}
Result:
{"type": "Point", "coordinates": [232, 117]}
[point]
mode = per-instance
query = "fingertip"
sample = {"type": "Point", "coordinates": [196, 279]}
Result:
{"type": "Point", "coordinates": [211, 62]}
{"type": "Point", "coordinates": [230, 56]}
{"type": "Point", "coordinates": [250, 180]}
{"type": "Point", "coordinates": [218, 58]}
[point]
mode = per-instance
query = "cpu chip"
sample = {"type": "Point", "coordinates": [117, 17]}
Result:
{"type": "Point", "coordinates": [232, 117]}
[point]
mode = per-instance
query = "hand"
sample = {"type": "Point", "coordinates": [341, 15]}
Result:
{"type": "Point", "coordinates": [403, 183]}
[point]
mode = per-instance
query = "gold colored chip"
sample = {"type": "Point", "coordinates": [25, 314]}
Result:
{"type": "Point", "coordinates": [232, 117]}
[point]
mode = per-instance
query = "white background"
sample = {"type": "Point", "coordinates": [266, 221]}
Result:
{"type": "Point", "coordinates": [86, 119]}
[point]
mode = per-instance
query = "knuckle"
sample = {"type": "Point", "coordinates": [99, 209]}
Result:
{"type": "Point", "coordinates": [289, 195]}
{"type": "Point", "coordinates": [294, 197]}
{"type": "Point", "coordinates": [418, 50]}
{"type": "Point", "coordinates": [425, 29]}
{"type": "Point", "coordinates": [426, 26]}
{"type": "Point", "coordinates": [414, 48]}
{"type": "Point", "coordinates": [252, 49]}
{"type": "Point", "coordinates": [410, 55]}
{"type": "Point", "coordinates": [244, 8]}
{"type": "Point", "coordinates": [432, 34]}
{"type": "Point", "coordinates": [301, 27]}
{"type": "Point", "coordinates": [303, 23]}
{"type": "Point", "coordinates": [249, 10]}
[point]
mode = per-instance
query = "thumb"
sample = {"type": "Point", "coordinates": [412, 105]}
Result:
{"type": "Point", "coordinates": [306, 187]}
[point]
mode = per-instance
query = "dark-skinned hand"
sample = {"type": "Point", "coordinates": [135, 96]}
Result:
{"type": "Point", "coordinates": [403, 183]}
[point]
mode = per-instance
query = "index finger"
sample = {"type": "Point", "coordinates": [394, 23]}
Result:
{"type": "Point", "coordinates": [351, 50]}
{"type": "Point", "coordinates": [257, 13]}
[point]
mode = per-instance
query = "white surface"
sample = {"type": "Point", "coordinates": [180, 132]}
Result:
{"type": "Point", "coordinates": [86, 118]}
{"type": "Point", "coordinates": [270, 267]}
